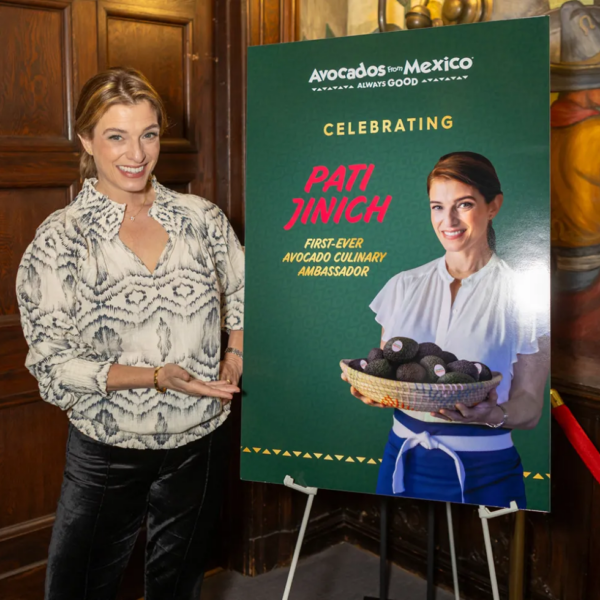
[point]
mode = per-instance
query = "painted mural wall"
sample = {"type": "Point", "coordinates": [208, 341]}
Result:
{"type": "Point", "coordinates": [335, 18]}
{"type": "Point", "coordinates": [575, 167]}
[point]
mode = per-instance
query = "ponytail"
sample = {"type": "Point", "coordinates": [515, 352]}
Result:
{"type": "Point", "coordinates": [87, 166]}
{"type": "Point", "coordinates": [491, 237]}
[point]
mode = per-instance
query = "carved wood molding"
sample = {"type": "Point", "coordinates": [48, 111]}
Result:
{"type": "Point", "coordinates": [27, 527]}
{"type": "Point", "coordinates": [289, 22]}
{"type": "Point", "coordinates": [23, 546]}
{"type": "Point", "coordinates": [20, 399]}
{"type": "Point", "coordinates": [40, 3]}
{"type": "Point", "coordinates": [585, 395]}
{"type": "Point", "coordinates": [272, 21]}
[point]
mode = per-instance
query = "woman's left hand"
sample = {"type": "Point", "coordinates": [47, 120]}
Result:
{"type": "Point", "coordinates": [230, 369]}
{"type": "Point", "coordinates": [485, 412]}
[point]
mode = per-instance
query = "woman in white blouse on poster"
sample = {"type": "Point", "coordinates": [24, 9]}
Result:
{"type": "Point", "coordinates": [469, 303]}
{"type": "Point", "coordinates": [123, 295]}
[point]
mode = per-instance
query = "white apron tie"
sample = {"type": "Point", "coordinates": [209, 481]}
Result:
{"type": "Point", "coordinates": [450, 444]}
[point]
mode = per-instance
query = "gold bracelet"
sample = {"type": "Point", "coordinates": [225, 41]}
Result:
{"type": "Point", "coordinates": [158, 389]}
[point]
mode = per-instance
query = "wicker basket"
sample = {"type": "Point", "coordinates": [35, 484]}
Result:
{"type": "Point", "coordinates": [419, 396]}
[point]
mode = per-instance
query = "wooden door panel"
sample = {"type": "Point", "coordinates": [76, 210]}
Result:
{"type": "Point", "coordinates": [21, 212]}
{"type": "Point", "coordinates": [39, 173]}
{"type": "Point", "coordinates": [157, 49]}
{"type": "Point", "coordinates": [16, 383]}
{"type": "Point", "coordinates": [25, 543]}
{"type": "Point", "coordinates": [180, 168]}
{"type": "Point", "coordinates": [158, 43]}
{"type": "Point", "coordinates": [35, 87]}
{"type": "Point", "coordinates": [28, 170]}
{"type": "Point", "coordinates": [24, 584]}
{"type": "Point", "coordinates": [32, 446]}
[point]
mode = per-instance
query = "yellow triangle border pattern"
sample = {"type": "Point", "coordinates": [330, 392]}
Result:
{"type": "Point", "coordinates": [348, 459]}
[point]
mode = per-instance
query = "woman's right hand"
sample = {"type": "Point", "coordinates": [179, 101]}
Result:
{"type": "Point", "coordinates": [175, 378]}
{"type": "Point", "coordinates": [362, 398]}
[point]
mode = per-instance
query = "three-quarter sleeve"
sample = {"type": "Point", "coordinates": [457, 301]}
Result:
{"type": "Point", "coordinates": [65, 367]}
{"type": "Point", "coordinates": [385, 303]}
{"type": "Point", "coordinates": [230, 265]}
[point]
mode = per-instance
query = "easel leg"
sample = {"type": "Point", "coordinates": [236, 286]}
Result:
{"type": "Point", "coordinates": [453, 551]}
{"type": "Point", "coordinates": [490, 557]}
{"type": "Point", "coordinates": [484, 515]}
{"type": "Point", "coordinates": [517, 558]}
{"type": "Point", "coordinates": [383, 566]}
{"type": "Point", "coordinates": [311, 492]}
{"type": "Point", "coordinates": [383, 544]}
{"type": "Point", "coordinates": [431, 552]}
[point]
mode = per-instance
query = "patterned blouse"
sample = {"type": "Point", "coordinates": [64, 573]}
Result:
{"type": "Point", "coordinates": [87, 302]}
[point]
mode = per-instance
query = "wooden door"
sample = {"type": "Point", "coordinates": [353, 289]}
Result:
{"type": "Point", "coordinates": [49, 48]}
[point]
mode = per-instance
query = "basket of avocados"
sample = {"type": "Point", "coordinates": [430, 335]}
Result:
{"type": "Point", "coordinates": [408, 375]}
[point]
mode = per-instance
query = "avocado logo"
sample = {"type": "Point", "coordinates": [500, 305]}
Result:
{"type": "Point", "coordinates": [439, 370]}
{"type": "Point", "coordinates": [363, 364]}
{"type": "Point", "coordinates": [478, 366]}
{"type": "Point", "coordinates": [397, 346]}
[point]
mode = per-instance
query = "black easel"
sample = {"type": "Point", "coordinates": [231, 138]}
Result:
{"type": "Point", "coordinates": [383, 566]}
{"type": "Point", "coordinates": [430, 552]}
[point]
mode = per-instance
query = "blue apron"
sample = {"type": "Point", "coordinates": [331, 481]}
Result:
{"type": "Point", "coordinates": [491, 478]}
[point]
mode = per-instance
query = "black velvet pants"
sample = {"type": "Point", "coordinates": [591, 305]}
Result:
{"type": "Point", "coordinates": [106, 494]}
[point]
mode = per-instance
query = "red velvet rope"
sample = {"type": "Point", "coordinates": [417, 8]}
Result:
{"type": "Point", "coordinates": [576, 435]}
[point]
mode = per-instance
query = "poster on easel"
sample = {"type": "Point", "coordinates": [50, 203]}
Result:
{"type": "Point", "coordinates": [398, 260]}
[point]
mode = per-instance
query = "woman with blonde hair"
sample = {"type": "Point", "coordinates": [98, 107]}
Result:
{"type": "Point", "coordinates": [123, 295]}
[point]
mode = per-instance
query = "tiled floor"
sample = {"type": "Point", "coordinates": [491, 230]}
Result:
{"type": "Point", "coordinates": [342, 572]}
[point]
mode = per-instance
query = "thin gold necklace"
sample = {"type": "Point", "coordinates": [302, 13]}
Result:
{"type": "Point", "coordinates": [132, 217]}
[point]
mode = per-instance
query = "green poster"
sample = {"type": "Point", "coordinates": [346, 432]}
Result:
{"type": "Point", "coordinates": [397, 234]}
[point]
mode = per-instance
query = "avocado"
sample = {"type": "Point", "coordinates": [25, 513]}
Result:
{"type": "Point", "coordinates": [428, 349]}
{"type": "Point", "coordinates": [375, 354]}
{"type": "Point", "coordinates": [434, 366]}
{"type": "Point", "coordinates": [485, 373]}
{"type": "Point", "coordinates": [358, 364]}
{"type": "Point", "coordinates": [380, 367]}
{"type": "Point", "coordinates": [455, 377]}
{"type": "Point", "coordinates": [464, 366]}
{"type": "Point", "coordinates": [448, 357]}
{"type": "Point", "coordinates": [411, 372]}
{"type": "Point", "coordinates": [400, 350]}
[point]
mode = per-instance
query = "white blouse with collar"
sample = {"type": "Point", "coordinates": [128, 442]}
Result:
{"type": "Point", "coordinates": [487, 322]}
{"type": "Point", "coordinates": [87, 302]}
